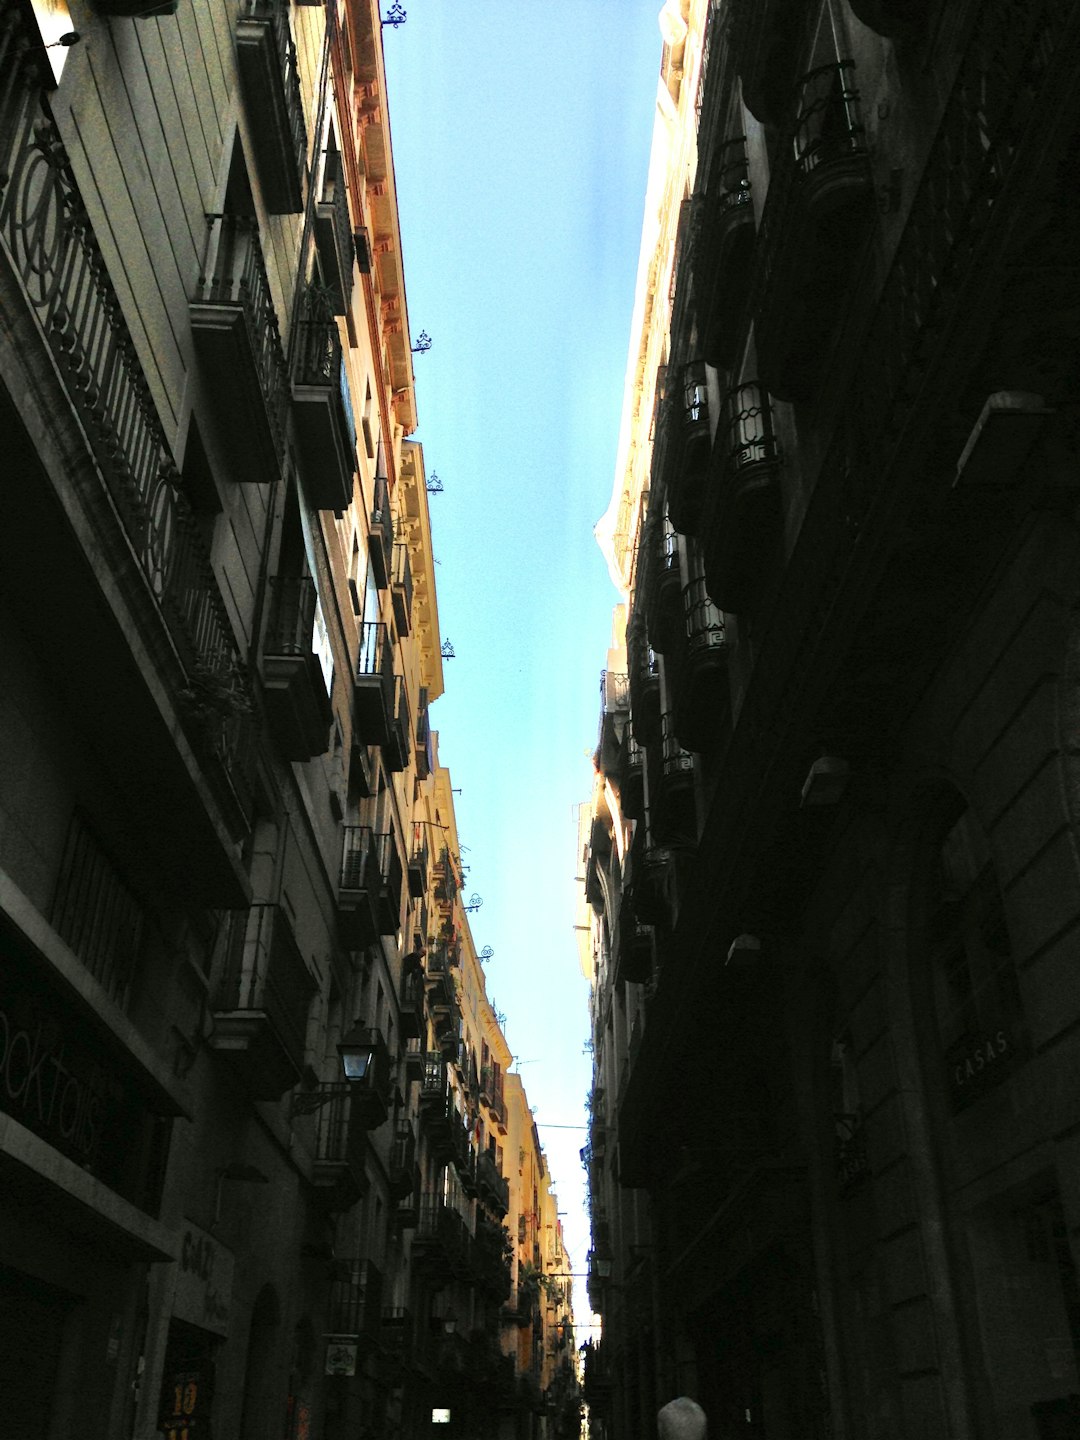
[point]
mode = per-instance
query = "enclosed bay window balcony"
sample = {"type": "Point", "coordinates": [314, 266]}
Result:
{"type": "Point", "coordinates": [664, 598]}
{"type": "Point", "coordinates": [235, 329]}
{"type": "Point", "coordinates": [644, 681]}
{"type": "Point", "coordinates": [373, 687]}
{"type": "Point", "coordinates": [723, 251]}
{"type": "Point", "coordinates": [294, 688]}
{"type": "Point", "coordinates": [398, 749]}
{"type": "Point", "coordinates": [358, 887]}
{"type": "Point", "coordinates": [653, 879]}
{"type": "Point", "coordinates": [897, 18]}
{"type": "Point", "coordinates": [401, 588]}
{"type": "Point", "coordinates": [742, 512]}
{"type": "Point", "coordinates": [687, 458]}
{"type": "Point", "coordinates": [632, 778]}
{"type": "Point", "coordinates": [633, 949]}
{"type": "Point", "coordinates": [418, 861]}
{"type": "Point", "coordinates": [355, 1300]}
{"type": "Point", "coordinates": [381, 531]}
{"type": "Point", "coordinates": [322, 406]}
{"type": "Point", "coordinates": [270, 84]}
{"type": "Point", "coordinates": [672, 813]}
{"type": "Point", "coordinates": [261, 1002]}
{"type": "Point", "coordinates": [765, 41]}
{"type": "Point", "coordinates": [701, 701]}
{"type": "Point", "coordinates": [614, 713]}
{"type": "Point", "coordinates": [334, 233]}
{"type": "Point", "coordinates": [819, 207]}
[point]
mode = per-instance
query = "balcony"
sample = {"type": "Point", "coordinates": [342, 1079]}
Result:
{"type": "Point", "coordinates": [899, 19]}
{"type": "Point", "coordinates": [373, 686]}
{"type": "Point", "coordinates": [340, 1145]}
{"type": "Point", "coordinates": [819, 206]}
{"type": "Point", "coordinates": [437, 1113]}
{"type": "Point", "coordinates": [439, 1242]}
{"type": "Point", "coordinates": [652, 882]}
{"type": "Point", "coordinates": [235, 329]}
{"type": "Point", "coordinates": [381, 525]}
{"type": "Point", "coordinates": [334, 234]}
{"type": "Point", "coordinates": [391, 883]}
{"type": "Point", "coordinates": [632, 778]}
{"type": "Point", "coordinates": [723, 252]}
{"type": "Point", "coordinates": [398, 750]}
{"type": "Point", "coordinates": [322, 407]}
{"type": "Point", "coordinates": [270, 84]}
{"type": "Point", "coordinates": [672, 809]}
{"type": "Point", "coordinates": [403, 1172]}
{"type": "Point", "coordinates": [355, 1300]}
{"type": "Point", "coordinates": [413, 1005]}
{"type": "Point", "coordinates": [261, 1002]}
{"type": "Point", "coordinates": [397, 1334]}
{"type": "Point", "coordinates": [614, 713]}
{"type": "Point", "coordinates": [441, 961]}
{"type": "Point", "coordinates": [687, 454]}
{"type": "Point", "coordinates": [401, 588]}
{"type": "Point", "coordinates": [294, 691]}
{"type": "Point", "coordinates": [766, 49]}
{"type": "Point", "coordinates": [664, 596]}
{"type": "Point", "coordinates": [494, 1188]}
{"type": "Point", "coordinates": [742, 516]}
{"type": "Point", "coordinates": [418, 861]}
{"type": "Point", "coordinates": [633, 948]}
{"type": "Point", "coordinates": [359, 886]}
{"type": "Point", "coordinates": [425, 755]}
{"type": "Point", "coordinates": [447, 877]}
{"type": "Point", "coordinates": [702, 697]}
{"type": "Point", "coordinates": [644, 681]}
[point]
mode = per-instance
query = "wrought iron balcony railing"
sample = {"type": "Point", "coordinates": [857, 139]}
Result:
{"type": "Point", "coordinates": [742, 507]}
{"type": "Point", "coordinates": [262, 1000]}
{"type": "Point", "coordinates": [95, 912]}
{"type": "Point", "coordinates": [270, 81]}
{"type": "Point", "coordinates": [334, 232]}
{"type": "Point", "coordinates": [373, 689]}
{"type": "Point", "coordinates": [294, 685]}
{"type": "Point", "coordinates": [49, 237]}
{"type": "Point", "coordinates": [381, 531]}
{"type": "Point", "coordinates": [236, 333]}
{"type": "Point", "coordinates": [402, 587]}
{"type": "Point", "coordinates": [723, 253]}
{"type": "Point", "coordinates": [828, 127]}
{"type": "Point", "coordinates": [355, 1303]}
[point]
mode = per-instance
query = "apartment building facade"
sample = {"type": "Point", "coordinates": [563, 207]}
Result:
{"type": "Point", "coordinates": [830, 862]}
{"type": "Point", "coordinates": [248, 1069]}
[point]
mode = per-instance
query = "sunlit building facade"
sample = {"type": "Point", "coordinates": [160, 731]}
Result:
{"type": "Point", "coordinates": [829, 867]}
{"type": "Point", "coordinates": [252, 1110]}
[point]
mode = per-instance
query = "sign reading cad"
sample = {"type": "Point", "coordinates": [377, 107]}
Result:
{"type": "Point", "coordinates": [204, 1280]}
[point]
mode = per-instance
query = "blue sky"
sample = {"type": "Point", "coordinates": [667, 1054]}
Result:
{"type": "Point", "coordinates": [521, 133]}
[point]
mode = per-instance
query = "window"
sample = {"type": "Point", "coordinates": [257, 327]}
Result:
{"type": "Point", "coordinates": [976, 992]}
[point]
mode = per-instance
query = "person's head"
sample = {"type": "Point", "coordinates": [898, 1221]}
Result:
{"type": "Point", "coordinates": [681, 1419]}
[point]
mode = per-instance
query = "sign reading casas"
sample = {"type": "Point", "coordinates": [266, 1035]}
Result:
{"type": "Point", "coordinates": [978, 1062]}
{"type": "Point", "coordinates": [204, 1279]}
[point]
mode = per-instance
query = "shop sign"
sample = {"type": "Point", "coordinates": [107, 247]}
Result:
{"type": "Point", "coordinates": [340, 1357]}
{"type": "Point", "coordinates": [58, 1081]}
{"type": "Point", "coordinates": [184, 1407]}
{"type": "Point", "coordinates": [978, 1062]}
{"type": "Point", "coordinates": [204, 1278]}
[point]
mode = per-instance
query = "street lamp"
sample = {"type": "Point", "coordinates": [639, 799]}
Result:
{"type": "Point", "coordinates": [358, 1049]}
